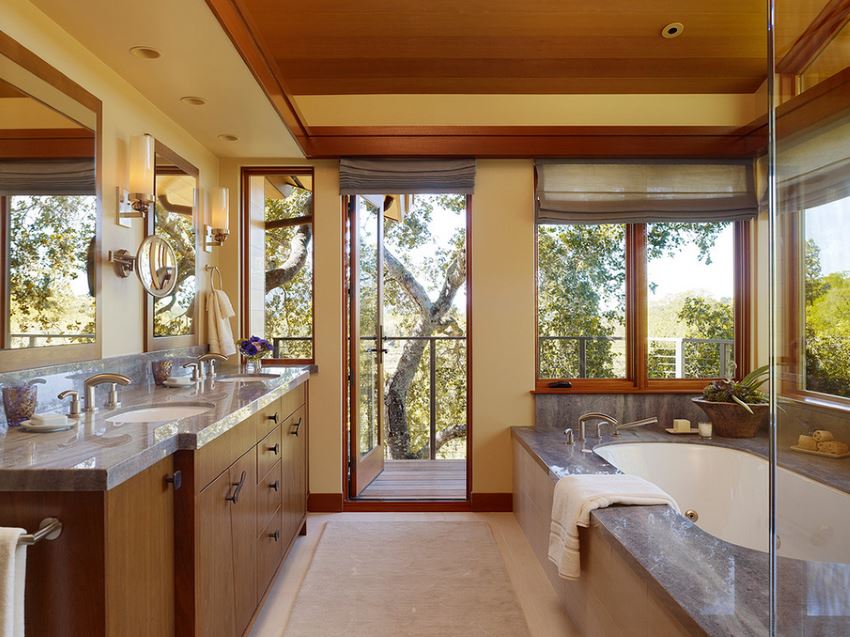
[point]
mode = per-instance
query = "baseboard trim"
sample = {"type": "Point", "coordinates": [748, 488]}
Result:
{"type": "Point", "coordinates": [491, 502]}
{"type": "Point", "coordinates": [324, 502]}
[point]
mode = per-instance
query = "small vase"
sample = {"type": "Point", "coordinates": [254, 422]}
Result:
{"type": "Point", "coordinates": [253, 366]}
{"type": "Point", "coordinates": [19, 403]}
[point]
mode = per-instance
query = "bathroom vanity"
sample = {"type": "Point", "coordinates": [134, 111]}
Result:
{"type": "Point", "coordinates": [173, 527]}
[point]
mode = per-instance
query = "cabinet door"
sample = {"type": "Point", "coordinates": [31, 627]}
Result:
{"type": "Point", "coordinates": [140, 554]}
{"type": "Point", "coordinates": [217, 612]}
{"type": "Point", "coordinates": [243, 524]}
{"type": "Point", "coordinates": [295, 474]}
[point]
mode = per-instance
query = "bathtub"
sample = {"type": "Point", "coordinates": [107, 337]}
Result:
{"type": "Point", "coordinates": [729, 491]}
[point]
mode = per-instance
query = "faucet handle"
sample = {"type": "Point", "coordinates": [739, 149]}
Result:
{"type": "Point", "coordinates": [113, 401]}
{"type": "Point", "coordinates": [568, 432]}
{"type": "Point", "coordinates": [74, 408]}
{"type": "Point", "coordinates": [196, 372]}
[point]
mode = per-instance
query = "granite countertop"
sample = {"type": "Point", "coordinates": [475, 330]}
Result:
{"type": "Point", "coordinates": [713, 587]}
{"type": "Point", "coordinates": [97, 455]}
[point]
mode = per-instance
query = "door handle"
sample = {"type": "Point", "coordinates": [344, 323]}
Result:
{"type": "Point", "coordinates": [272, 418]}
{"type": "Point", "coordinates": [293, 430]}
{"type": "Point", "coordinates": [275, 486]}
{"type": "Point", "coordinates": [275, 449]}
{"type": "Point", "coordinates": [276, 535]}
{"type": "Point", "coordinates": [234, 497]}
{"type": "Point", "coordinates": [175, 479]}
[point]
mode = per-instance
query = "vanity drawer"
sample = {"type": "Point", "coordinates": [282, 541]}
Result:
{"type": "Point", "coordinates": [269, 495]}
{"type": "Point", "coordinates": [292, 400]}
{"type": "Point", "coordinates": [268, 418]}
{"type": "Point", "coordinates": [269, 551]}
{"type": "Point", "coordinates": [269, 451]}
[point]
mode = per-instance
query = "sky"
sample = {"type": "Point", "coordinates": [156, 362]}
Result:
{"type": "Point", "coordinates": [829, 226]}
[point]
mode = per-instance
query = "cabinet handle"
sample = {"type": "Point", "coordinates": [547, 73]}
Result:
{"type": "Point", "coordinates": [275, 536]}
{"type": "Point", "coordinates": [293, 431]}
{"type": "Point", "coordinates": [275, 485]}
{"type": "Point", "coordinates": [175, 479]}
{"type": "Point", "coordinates": [234, 497]}
{"type": "Point", "coordinates": [275, 449]}
{"type": "Point", "coordinates": [272, 418]}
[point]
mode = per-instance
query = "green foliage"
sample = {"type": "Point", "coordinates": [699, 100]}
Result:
{"type": "Point", "coordinates": [745, 392]}
{"type": "Point", "coordinates": [48, 267]}
{"type": "Point", "coordinates": [174, 314]}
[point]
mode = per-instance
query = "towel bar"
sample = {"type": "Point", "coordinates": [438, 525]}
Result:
{"type": "Point", "coordinates": [48, 529]}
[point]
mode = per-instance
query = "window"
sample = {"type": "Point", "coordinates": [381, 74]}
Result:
{"type": "Point", "coordinates": [279, 242]}
{"type": "Point", "coordinates": [625, 307]}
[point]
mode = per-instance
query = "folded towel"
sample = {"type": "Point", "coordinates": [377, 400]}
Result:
{"type": "Point", "coordinates": [822, 435]}
{"type": "Point", "coordinates": [219, 332]}
{"type": "Point", "coordinates": [807, 442]}
{"type": "Point", "coordinates": [49, 419]}
{"type": "Point", "coordinates": [834, 447]}
{"type": "Point", "coordinates": [13, 571]}
{"type": "Point", "coordinates": [576, 496]}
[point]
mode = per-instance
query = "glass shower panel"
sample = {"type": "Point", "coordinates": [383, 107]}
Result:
{"type": "Point", "coordinates": [810, 315]}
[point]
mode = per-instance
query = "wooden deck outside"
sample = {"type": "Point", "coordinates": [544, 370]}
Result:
{"type": "Point", "coordinates": [419, 480]}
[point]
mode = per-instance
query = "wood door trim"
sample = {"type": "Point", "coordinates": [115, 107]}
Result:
{"type": "Point", "coordinates": [815, 38]}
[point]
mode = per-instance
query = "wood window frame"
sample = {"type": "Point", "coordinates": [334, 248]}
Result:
{"type": "Point", "coordinates": [246, 172]}
{"type": "Point", "coordinates": [637, 377]}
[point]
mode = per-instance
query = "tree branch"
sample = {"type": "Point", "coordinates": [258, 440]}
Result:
{"type": "Point", "coordinates": [405, 278]}
{"type": "Point", "coordinates": [297, 258]}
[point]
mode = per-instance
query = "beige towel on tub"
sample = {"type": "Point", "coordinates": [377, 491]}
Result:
{"type": "Point", "coordinates": [13, 574]}
{"type": "Point", "coordinates": [576, 496]}
{"type": "Point", "coordinates": [219, 313]}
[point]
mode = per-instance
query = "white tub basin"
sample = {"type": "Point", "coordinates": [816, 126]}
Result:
{"type": "Point", "coordinates": [162, 413]}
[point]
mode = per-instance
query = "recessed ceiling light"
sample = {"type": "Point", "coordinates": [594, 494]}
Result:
{"type": "Point", "coordinates": [672, 30]}
{"type": "Point", "coordinates": [226, 137]}
{"type": "Point", "coordinates": [145, 52]}
{"type": "Point", "coordinates": [193, 100]}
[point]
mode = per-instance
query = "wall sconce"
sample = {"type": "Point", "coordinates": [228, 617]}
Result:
{"type": "Point", "coordinates": [218, 229]}
{"type": "Point", "coordinates": [135, 202]}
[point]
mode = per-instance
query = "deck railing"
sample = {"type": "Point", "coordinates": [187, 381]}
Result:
{"type": "Point", "coordinates": [32, 339]}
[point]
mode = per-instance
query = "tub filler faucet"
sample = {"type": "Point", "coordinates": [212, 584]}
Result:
{"type": "Point", "coordinates": [616, 427]}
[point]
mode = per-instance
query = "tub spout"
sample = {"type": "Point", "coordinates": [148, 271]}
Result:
{"type": "Point", "coordinates": [636, 423]}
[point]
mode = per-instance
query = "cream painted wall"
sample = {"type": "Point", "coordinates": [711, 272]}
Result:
{"type": "Point", "coordinates": [126, 112]}
{"type": "Point", "coordinates": [502, 319]}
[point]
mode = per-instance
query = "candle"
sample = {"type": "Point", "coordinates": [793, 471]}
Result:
{"type": "Point", "coordinates": [704, 429]}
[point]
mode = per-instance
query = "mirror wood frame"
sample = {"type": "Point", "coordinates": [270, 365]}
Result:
{"type": "Point", "coordinates": [28, 358]}
{"type": "Point", "coordinates": [156, 343]}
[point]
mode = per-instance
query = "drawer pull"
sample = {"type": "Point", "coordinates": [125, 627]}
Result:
{"type": "Point", "coordinates": [295, 428]}
{"type": "Point", "coordinates": [275, 536]}
{"type": "Point", "coordinates": [275, 486]}
{"type": "Point", "coordinates": [273, 418]}
{"type": "Point", "coordinates": [275, 449]}
{"type": "Point", "coordinates": [237, 489]}
{"type": "Point", "coordinates": [175, 479]}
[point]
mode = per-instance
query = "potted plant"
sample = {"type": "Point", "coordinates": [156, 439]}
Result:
{"type": "Point", "coordinates": [254, 349]}
{"type": "Point", "coordinates": [737, 409]}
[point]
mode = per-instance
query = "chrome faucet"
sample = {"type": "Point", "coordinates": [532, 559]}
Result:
{"type": "Point", "coordinates": [74, 407]}
{"type": "Point", "coordinates": [209, 358]}
{"type": "Point", "coordinates": [99, 379]}
{"type": "Point", "coordinates": [616, 427]}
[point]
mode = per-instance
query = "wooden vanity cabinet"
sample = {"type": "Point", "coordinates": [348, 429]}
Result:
{"type": "Point", "coordinates": [246, 505]}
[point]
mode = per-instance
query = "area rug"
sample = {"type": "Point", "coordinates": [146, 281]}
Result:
{"type": "Point", "coordinates": [417, 579]}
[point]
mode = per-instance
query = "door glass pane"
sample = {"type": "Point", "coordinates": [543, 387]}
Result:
{"type": "Point", "coordinates": [690, 292]}
{"type": "Point", "coordinates": [581, 301]}
{"type": "Point", "coordinates": [369, 403]}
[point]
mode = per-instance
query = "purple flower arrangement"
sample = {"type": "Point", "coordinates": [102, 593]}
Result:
{"type": "Point", "coordinates": [254, 348]}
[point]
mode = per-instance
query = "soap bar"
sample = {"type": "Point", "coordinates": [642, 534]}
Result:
{"type": "Point", "coordinates": [833, 446]}
{"type": "Point", "coordinates": [808, 443]}
{"type": "Point", "coordinates": [822, 435]}
{"type": "Point", "coordinates": [50, 419]}
{"type": "Point", "coordinates": [681, 424]}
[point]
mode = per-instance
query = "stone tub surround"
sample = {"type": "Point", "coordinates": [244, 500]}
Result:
{"type": "Point", "coordinates": [58, 378]}
{"type": "Point", "coordinates": [97, 455]}
{"type": "Point", "coordinates": [710, 586]}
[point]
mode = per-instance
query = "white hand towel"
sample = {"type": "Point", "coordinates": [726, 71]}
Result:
{"type": "Point", "coordinates": [576, 496]}
{"type": "Point", "coordinates": [219, 313]}
{"type": "Point", "coordinates": [13, 573]}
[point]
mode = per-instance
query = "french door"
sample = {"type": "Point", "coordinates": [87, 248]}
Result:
{"type": "Point", "coordinates": [366, 346]}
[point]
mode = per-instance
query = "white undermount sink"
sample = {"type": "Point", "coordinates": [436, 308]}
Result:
{"type": "Point", "coordinates": [161, 413]}
{"type": "Point", "coordinates": [245, 378]}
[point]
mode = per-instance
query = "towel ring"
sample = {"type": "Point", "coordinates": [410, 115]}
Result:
{"type": "Point", "coordinates": [213, 270]}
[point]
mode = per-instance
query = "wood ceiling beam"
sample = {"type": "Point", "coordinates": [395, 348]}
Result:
{"type": "Point", "coordinates": [814, 39]}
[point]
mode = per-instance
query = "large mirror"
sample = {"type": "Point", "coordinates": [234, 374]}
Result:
{"type": "Point", "coordinates": [49, 214]}
{"type": "Point", "coordinates": [172, 318]}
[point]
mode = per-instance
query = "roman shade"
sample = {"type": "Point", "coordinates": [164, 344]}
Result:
{"type": "Point", "coordinates": [814, 170]}
{"type": "Point", "coordinates": [407, 176]}
{"type": "Point", "coordinates": [47, 177]}
{"type": "Point", "coordinates": [644, 191]}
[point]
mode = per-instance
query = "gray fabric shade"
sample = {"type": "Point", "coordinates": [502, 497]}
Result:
{"type": "Point", "coordinates": [406, 176]}
{"type": "Point", "coordinates": [592, 192]}
{"type": "Point", "coordinates": [47, 177]}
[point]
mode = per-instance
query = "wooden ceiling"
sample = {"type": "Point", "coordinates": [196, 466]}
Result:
{"type": "Point", "coordinates": [332, 47]}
